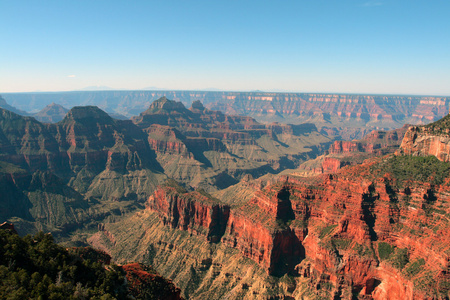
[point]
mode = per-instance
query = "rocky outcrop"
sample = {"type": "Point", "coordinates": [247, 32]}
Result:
{"type": "Point", "coordinates": [5, 105]}
{"type": "Point", "coordinates": [344, 153]}
{"type": "Point", "coordinates": [331, 165]}
{"type": "Point", "coordinates": [8, 226]}
{"type": "Point", "coordinates": [87, 137]}
{"type": "Point", "coordinates": [432, 139]}
{"type": "Point", "coordinates": [52, 113]}
{"type": "Point", "coordinates": [252, 228]}
{"type": "Point", "coordinates": [358, 233]}
{"type": "Point", "coordinates": [339, 147]}
{"type": "Point", "coordinates": [222, 145]}
{"type": "Point", "coordinates": [193, 212]}
{"type": "Point", "coordinates": [144, 282]}
{"type": "Point", "coordinates": [377, 142]}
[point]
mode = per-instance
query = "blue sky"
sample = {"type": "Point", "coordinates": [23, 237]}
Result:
{"type": "Point", "coordinates": [380, 46]}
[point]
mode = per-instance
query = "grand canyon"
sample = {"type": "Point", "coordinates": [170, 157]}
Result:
{"type": "Point", "coordinates": [226, 195]}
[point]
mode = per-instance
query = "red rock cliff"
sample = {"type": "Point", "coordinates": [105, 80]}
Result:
{"type": "Point", "coordinates": [355, 232]}
{"type": "Point", "coordinates": [192, 212]}
{"type": "Point", "coordinates": [423, 141]}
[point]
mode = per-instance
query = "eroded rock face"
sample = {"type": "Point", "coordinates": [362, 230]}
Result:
{"type": "Point", "coordinates": [377, 142]}
{"type": "Point", "coordinates": [346, 233]}
{"type": "Point", "coordinates": [52, 113]}
{"type": "Point", "coordinates": [352, 108]}
{"type": "Point", "coordinates": [193, 212]}
{"type": "Point", "coordinates": [422, 141]}
{"type": "Point", "coordinates": [196, 145]}
{"type": "Point", "coordinates": [344, 153]}
{"type": "Point", "coordinates": [86, 137]}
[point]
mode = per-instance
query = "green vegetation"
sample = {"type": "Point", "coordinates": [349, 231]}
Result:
{"type": "Point", "coordinates": [440, 127]}
{"type": "Point", "coordinates": [400, 258]}
{"type": "Point", "coordinates": [145, 283]}
{"type": "Point", "coordinates": [172, 183]}
{"type": "Point", "coordinates": [426, 282]}
{"type": "Point", "coordinates": [413, 168]}
{"type": "Point", "coordinates": [385, 250]}
{"type": "Point", "coordinates": [10, 168]}
{"type": "Point", "coordinates": [326, 230]}
{"type": "Point", "coordinates": [364, 251]}
{"type": "Point", "coordinates": [444, 287]}
{"type": "Point", "coordinates": [336, 244]}
{"type": "Point", "coordinates": [35, 267]}
{"type": "Point", "coordinates": [414, 268]}
{"type": "Point", "coordinates": [341, 243]}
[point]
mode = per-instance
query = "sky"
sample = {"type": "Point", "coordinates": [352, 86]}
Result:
{"type": "Point", "coordinates": [332, 46]}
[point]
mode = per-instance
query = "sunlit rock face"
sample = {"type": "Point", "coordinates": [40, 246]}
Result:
{"type": "Point", "coordinates": [348, 231]}
{"type": "Point", "coordinates": [423, 141]}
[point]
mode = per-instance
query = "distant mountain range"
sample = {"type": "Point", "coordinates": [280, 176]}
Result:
{"type": "Point", "coordinates": [349, 116]}
{"type": "Point", "coordinates": [52, 113]}
{"type": "Point", "coordinates": [97, 88]}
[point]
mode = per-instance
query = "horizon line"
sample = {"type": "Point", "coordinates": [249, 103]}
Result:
{"type": "Point", "coordinates": [226, 91]}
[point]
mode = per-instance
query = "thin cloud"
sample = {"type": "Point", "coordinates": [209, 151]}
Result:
{"type": "Point", "coordinates": [71, 76]}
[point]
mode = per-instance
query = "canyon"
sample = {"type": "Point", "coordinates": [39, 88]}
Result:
{"type": "Point", "coordinates": [347, 116]}
{"type": "Point", "coordinates": [376, 230]}
{"type": "Point", "coordinates": [91, 166]}
{"type": "Point", "coordinates": [230, 208]}
{"type": "Point", "coordinates": [360, 233]}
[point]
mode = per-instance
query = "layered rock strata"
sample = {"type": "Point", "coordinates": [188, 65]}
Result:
{"type": "Point", "coordinates": [348, 233]}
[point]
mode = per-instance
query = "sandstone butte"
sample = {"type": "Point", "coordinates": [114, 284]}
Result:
{"type": "Point", "coordinates": [378, 230]}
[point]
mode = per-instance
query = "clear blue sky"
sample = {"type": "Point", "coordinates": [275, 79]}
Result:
{"type": "Point", "coordinates": [345, 46]}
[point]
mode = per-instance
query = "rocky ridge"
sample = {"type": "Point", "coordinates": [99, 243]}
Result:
{"type": "Point", "coordinates": [52, 113]}
{"type": "Point", "coordinates": [339, 236]}
{"type": "Point", "coordinates": [432, 139]}
{"type": "Point", "coordinates": [203, 148]}
{"type": "Point", "coordinates": [372, 231]}
{"type": "Point", "coordinates": [344, 116]}
{"type": "Point", "coordinates": [88, 162]}
{"type": "Point", "coordinates": [344, 153]}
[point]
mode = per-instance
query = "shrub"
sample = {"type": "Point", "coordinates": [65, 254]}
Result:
{"type": "Point", "coordinates": [326, 230]}
{"type": "Point", "coordinates": [414, 268]}
{"type": "Point", "coordinates": [400, 258]}
{"type": "Point", "coordinates": [413, 168]}
{"type": "Point", "coordinates": [385, 250]}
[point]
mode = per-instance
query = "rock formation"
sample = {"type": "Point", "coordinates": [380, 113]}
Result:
{"type": "Point", "coordinates": [197, 145]}
{"type": "Point", "coordinates": [344, 153]}
{"type": "Point", "coordinates": [52, 113]}
{"type": "Point", "coordinates": [378, 230]}
{"type": "Point", "coordinates": [94, 157]}
{"type": "Point", "coordinates": [144, 282]}
{"type": "Point", "coordinates": [364, 107]}
{"type": "Point", "coordinates": [373, 228]}
{"type": "Point", "coordinates": [433, 139]}
{"type": "Point", "coordinates": [343, 235]}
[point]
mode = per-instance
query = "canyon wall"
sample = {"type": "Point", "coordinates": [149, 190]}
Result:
{"type": "Point", "coordinates": [331, 110]}
{"type": "Point", "coordinates": [346, 234]}
{"type": "Point", "coordinates": [432, 139]}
